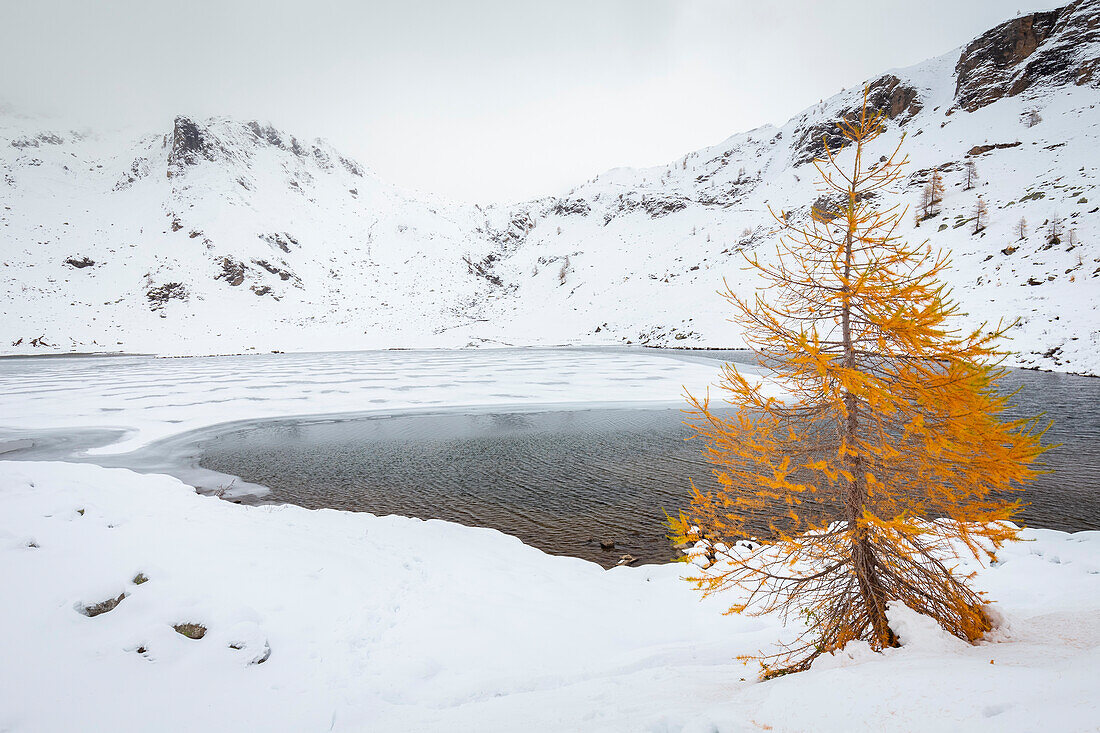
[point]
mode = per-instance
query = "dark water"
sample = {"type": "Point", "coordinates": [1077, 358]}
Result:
{"type": "Point", "coordinates": [565, 480]}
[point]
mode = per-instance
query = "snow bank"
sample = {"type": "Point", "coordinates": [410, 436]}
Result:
{"type": "Point", "coordinates": [389, 623]}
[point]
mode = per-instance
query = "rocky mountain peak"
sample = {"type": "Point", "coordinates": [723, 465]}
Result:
{"type": "Point", "coordinates": [224, 139]}
{"type": "Point", "coordinates": [187, 145]}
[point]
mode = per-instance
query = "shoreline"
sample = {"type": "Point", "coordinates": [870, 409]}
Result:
{"type": "Point", "coordinates": [604, 347]}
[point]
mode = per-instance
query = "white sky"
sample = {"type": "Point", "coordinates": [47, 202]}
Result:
{"type": "Point", "coordinates": [478, 101]}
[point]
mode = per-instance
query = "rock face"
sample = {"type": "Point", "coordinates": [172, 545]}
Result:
{"type": "Point", "coordinates": [566, 207]}
{"type": "Point", "coordinates": [1017, 54]}
{"type": "Point", "coordinates": [891, 97]}
{"type": "Point", "coordinates": [188, 146]}
{"type": "Point", "coordinates": [886, 95]}
{"type": "Point", "coordinates": [232, 271]}
{"type": "Point", "coordinates": [979, 149]}
{"type": "Point", "coordinates": [160, 295]}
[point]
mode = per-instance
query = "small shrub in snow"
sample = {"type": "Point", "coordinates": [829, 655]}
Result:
{"type": "Point", "coordinates": [191, 630]}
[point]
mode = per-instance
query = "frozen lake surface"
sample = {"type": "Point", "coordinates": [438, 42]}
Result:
{"type": "Point", "coordinates": [147, 399]}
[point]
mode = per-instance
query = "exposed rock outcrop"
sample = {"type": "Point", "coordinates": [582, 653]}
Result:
{"type": "Point", "coordinates": [267, 133]}
{"type": "Point", "coordinates": [979, 149]}
{"type": "Point", "coordinates": [283, 273]}
{"type": "Point", "coordinates": [1055, 47]}
{"type": "Point", "coordinates": [887, 95]}
{"type": "Point", "coordinates": [98, 609]}
{"type": "Point", "coordinates": [282, 240]}
{"type": "Point", "coordinates": [160, 295]}
{"type": "Point", "coordinates": [34, 141]}
{"type": "Point", "coordinates": [188, 145]}
{"type": "Point", "coordinates": [892, 98]}
{"type": "Point", "coordinates": [566, 207]}
{"type": "Point", "coordinates": [232, 271]}
{"type": "Point", "coordinates": [190, 630]}
{"type": "Point", "coordinates": [484, 268]}
{"type": "Point", "coordinates": [657, 206]}
{"type": "Point", "coordinates": [514, 234]}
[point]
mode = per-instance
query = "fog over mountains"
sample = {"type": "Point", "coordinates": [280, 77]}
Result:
{"type": "Point", "coordinates": [224, 236]}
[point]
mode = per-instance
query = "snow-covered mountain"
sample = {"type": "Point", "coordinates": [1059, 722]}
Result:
{"type": "Point", "coordinates": [225, 236]}
{"type": "Point", "coordinates": [217, 235]}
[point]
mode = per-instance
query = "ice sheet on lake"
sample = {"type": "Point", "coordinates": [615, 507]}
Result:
{"type": "Point", "coordinates": [152, 398]}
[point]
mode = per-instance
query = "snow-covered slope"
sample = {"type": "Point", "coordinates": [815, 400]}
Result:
{"type": "Point", "coordinates": [223, 236]}
{"type": "Point", "coordinates": [214, 234]}
{"type": "Point", "coordinates": [640, 252]}
{"type": "Point", "coordinates": [342, 621]}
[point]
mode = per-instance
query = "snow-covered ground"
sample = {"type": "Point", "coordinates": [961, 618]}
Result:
{"type": "Point", "coordinates": [388, 623]}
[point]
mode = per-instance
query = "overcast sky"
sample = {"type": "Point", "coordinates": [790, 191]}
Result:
{"type": "Point", "coordinates": [502, 99]}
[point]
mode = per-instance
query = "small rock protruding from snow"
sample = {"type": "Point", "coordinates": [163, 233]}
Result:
{"type": "Point", "coordinates": [97, 609]}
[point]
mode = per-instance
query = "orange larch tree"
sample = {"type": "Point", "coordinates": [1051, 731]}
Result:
{"type": "Point", "coordinates": [887, 460]}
